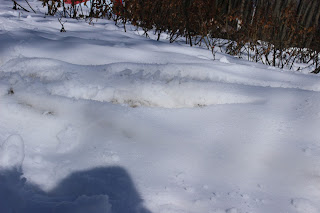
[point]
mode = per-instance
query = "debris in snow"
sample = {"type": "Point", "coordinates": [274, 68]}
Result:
{"type": "Point", "coordinates": [10, 91]}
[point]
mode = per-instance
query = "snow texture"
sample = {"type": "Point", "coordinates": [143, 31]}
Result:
{"type": "Point", "coordinates": [101, 120]}
{"type": "Point", "coordinates": [12, 152]}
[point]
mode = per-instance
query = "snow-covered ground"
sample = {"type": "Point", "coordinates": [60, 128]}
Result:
{"type": "Point", "coordinates": [99, 120]}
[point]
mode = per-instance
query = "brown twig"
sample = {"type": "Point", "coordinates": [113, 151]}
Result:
{"type": "Point", "coordinates": [16, 3]}
{"type": "Point", "coordinates": [30, 6]}
{"type": "Point", "coordinates": [62, 27]}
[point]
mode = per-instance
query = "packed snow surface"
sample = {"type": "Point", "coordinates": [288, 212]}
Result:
{"type": "Point", "coordinates": [101, 120]}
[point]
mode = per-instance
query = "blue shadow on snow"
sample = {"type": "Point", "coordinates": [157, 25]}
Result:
{"type": "Point", "coordinates": [99, 190]}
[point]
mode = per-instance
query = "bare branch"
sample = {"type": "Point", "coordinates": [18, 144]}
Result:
{"type": "Point", "coordinates": [30, 6]}
{"type": "Point", "coordinates": [16, 3]}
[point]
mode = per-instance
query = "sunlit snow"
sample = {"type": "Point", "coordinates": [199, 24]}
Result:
{"type": "Point", "coordinates": [101, 120]}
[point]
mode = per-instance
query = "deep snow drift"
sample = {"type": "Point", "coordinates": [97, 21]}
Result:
{"type": "Point", "coordinates": [99, 120]}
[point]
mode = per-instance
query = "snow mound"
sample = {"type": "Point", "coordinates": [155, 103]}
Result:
{"type": "Point", "coordinates": [224, 60]}
{"type": "Point", "coordinates": [12, 152]}
{"type": "Point", "coordinates": [131, 84]}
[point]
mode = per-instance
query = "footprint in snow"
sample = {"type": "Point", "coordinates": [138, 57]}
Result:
{"type": "Point", "coordinates": [68, 140]}
{"type": "Point", "coordinates": [304, 206]}
{"type": "Point", "coordinates": [110, 156]}
{"type": "Point", "coordinates": [232, 210]}
{"type": "Point", "coordinates": [12, 152]}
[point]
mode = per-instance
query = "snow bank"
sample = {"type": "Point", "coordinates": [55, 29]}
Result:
{"type": "Point", "coordinates": [132, 84]}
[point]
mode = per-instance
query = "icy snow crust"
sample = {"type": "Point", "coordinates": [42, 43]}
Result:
{"type": "Point", "coordinates": [99, 120]}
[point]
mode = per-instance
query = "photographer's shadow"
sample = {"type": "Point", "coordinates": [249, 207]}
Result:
{"type": "Point", "coordinates": [99, 190]}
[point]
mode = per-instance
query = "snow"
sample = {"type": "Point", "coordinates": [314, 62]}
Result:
{"type": "Point", "coordinates": [12, 152]}
{"type": "Point", "coordinates": [303, 205]}
{"type": "Point", "coordinates": [99, 120]}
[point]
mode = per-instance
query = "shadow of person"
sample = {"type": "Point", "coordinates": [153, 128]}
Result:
{"type": "Point", "coordinates": [99, 190]}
